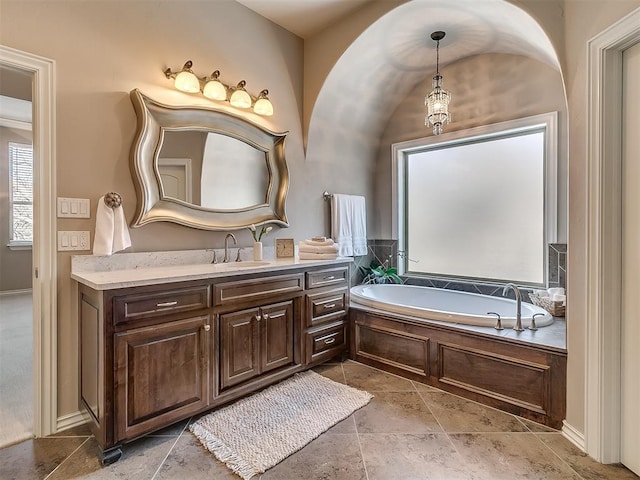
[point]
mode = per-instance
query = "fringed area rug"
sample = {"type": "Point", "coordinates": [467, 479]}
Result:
{"type": "Point", "coordinates": [257, 432]}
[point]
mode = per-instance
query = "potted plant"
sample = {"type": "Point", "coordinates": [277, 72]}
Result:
{"type": "Point", "coordinates": [377, 273]}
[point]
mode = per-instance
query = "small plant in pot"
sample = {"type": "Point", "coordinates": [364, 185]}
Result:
{"type": "Point", "coordinates": [377, 273]}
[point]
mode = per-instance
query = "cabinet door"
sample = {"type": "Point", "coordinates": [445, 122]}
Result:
{"type": "Point", "coordinates": [239, 347]}
{"type": "Point", "coordinates": [277, 335]}
{"type": "Point", "coordinates": [161, 375]}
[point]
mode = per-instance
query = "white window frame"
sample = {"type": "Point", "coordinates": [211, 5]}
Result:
{"type": "Point", "coordinates": [13, 243]}
{"type": "Point", "coordinates": [400, 151]}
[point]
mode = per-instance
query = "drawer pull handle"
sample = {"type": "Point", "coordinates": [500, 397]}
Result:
{"type": "Point", "coordinates": [274, 316]}
{"type": "Point", "coordinates": [329, 341]}
{"type": "Point", "coordinates": [329, 305]}
{"type": "Point", "coordinates": [207, 328]}
{"type": "Point", "coordinates": [330, 277]}
{"type": "Point", "coordinates": [166, 304]}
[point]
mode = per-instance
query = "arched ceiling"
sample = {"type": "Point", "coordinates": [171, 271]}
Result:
{"type": "Point", "coordinates": [396, 53]}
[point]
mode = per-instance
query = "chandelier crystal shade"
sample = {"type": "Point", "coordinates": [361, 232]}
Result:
{"type": "Point", "coordinates": [437, 101]}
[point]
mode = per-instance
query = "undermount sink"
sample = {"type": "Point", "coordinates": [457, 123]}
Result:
{"type": "Point", "coordinates": [247, 264]}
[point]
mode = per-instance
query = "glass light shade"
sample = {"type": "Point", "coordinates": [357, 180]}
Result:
{"type": "Point", "coordinates": [187, 82]}
{"type": "Point", "coordinates": [240, 98]}
{"type": "Point", "coordinates": [215, 90]}
{"type": "Point", "coordinates": [264, 107]}
{"type": "Point", "coordinates": [437, 103]}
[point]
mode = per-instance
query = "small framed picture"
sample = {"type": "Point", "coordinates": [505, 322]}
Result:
{"type": "Point", "coordinates": [284, 248]}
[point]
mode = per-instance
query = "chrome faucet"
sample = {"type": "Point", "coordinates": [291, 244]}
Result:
{"type": "Point", "coordinates": [518, 326]}
{"type": "Point", "coordinates": [226, 246]}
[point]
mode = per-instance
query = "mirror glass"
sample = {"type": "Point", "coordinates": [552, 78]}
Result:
{"type": "Point", "coordinates": [212, 170]}
{"type": "Point", "coordinates": [206, 168]}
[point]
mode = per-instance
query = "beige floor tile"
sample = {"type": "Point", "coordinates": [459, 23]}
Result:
{"type": "Point", "coordinates": [332, 371]}
{"type": "Point", "coordinates": [586, 466]}
{"type": "Point", "coordinates": [140, 460]}
{"type": "Point", "coordinates": [536, 427]}
{"type": "Point", "coordinates": [373, 380]}
{"type": "Point", "coordinates": [35, 459]}
{"type": "Point", "coordinates": [348, 425]}
{"type": "Point", "coordinates": [396, 412]}
{"type": "Point", "coordinates": [457, 414]}
{"type": "Point", "coordinates": [412, 457]}
{"type": "Point", "coordinates": [335, 457]}
{"type": "Point", "coordinates": [189, 460]}
{"type": "Point", "coordinates": [510, 456]}
{"type": "Point", "coordinates": [421, 387]}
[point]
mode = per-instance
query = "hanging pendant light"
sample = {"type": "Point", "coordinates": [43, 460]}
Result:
{"type": "Point", "coordinates": [437, 101]}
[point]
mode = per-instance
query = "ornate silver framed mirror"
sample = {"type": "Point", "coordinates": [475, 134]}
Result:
{"type": "Point", "coordinates": [205, 168]}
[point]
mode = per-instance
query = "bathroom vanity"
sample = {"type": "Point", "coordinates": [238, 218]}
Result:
{"type": "Point", "coordinates": [160, 344]}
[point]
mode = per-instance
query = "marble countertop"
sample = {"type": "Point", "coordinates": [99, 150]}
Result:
{"type": "Point", "coordinates": [108, 273]}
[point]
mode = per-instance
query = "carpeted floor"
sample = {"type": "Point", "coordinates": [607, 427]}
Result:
{"type": "Point", "coordinates": [16, 368]}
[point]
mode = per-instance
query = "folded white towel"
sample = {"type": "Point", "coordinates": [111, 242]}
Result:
{"type": "Point", "coordinates": [317, 256]}
{"type": "Point", "coordinates": [304, 247]}
{"type": "Point", "coordinates": [112, 233]}
{"type": "Point", "coordinates": [318, 243]}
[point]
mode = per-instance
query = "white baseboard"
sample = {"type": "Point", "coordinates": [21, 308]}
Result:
{"type": "Point", "coordinates": [16, 292]}
{"type": "Point", "coordinates": [573, 435]}
{"type": "Point", "coordinates": [70, 420]}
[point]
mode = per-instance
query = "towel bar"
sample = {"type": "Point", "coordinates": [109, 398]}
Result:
{"type": "Point", "coordinates": [326, 195]}
{"type": "Point", "coordinates": [112, 199]}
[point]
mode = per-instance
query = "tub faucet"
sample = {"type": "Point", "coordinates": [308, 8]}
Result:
{"type": "Point", "coordinates": [516, 291]}
{"type": "Point", "coordinates": [226, 246]}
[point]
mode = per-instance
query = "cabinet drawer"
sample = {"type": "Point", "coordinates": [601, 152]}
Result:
{"type": "Point", "coordinates": [329, 276]}
{"type": "Point", "coordinates": [257, 288]}
{"type": "Point", "coordinates": [326, 343]}
{"type": "Point", "coordinates": [134, 307]}
{"type": "Point", "coordinates": [326, 306]}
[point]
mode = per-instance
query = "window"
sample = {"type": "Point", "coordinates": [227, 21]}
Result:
{"type": "Point", "coordinates": [20, 194]}
{"type": "Point", "coordinates": [479, 204]}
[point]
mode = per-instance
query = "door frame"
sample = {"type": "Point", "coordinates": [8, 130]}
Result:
{"type": "Point", "coordinates": [45, 363]}
{"type": "Point", "coordinates": [604, 237]}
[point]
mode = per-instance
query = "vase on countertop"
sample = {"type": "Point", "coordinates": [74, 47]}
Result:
{"type": "Point", "coordinates": [257, 250]}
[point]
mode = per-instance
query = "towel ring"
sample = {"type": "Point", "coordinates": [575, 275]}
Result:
{"type": "Point", "coordinates": [112, 199]}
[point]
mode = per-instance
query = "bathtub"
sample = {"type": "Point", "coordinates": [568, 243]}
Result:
{"type": "Point", "coordinates": [446, 305]}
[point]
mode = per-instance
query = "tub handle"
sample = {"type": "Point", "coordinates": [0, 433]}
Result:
{"type": "Point", "coordinates": [499, 322]}
{"type": "Point", "coordinates": [532, 325]}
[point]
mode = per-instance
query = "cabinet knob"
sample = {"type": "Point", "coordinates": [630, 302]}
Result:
{"type": "Point", "coordinates": [207, 327]}
{"type": "Point", "coordinates": [265, 316]}
{"type": "Point", "coordinates": [258, 318]}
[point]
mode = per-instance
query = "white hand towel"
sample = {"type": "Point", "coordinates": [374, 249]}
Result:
{"type": "Point", "coordinates": [304, 247]}
{"type": "Point", "coordinates": [349, 224]}
{"type": "Point", "coordinates": [112, 233]}
{"type": "Point", "coordinates": [317, 256]}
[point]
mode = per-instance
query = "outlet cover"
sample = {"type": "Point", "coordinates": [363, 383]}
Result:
{"type": "Point", "coordinates": [73, 240]}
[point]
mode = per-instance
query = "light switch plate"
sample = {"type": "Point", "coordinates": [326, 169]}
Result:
{"type": "Point", "coordinates": [71, 240]}
{"type": "Point", "coordinates": [74, 207]}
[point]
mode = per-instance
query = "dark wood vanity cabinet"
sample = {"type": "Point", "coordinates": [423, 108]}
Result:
{"type": "Point", "coordinates": [255, 341]}
{"type": "Point", "coordinates": [154, 355]}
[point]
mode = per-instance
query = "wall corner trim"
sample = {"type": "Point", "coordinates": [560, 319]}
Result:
{"type": "Point", "coordinates": [75, 419]}
{"type": "Point", "coordinates": [572, 434]}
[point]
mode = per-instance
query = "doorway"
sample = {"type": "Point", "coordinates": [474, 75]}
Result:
{"type": "Point", "coordinates": [16, 238]}
{"type": "Point", "coordinates": [43, 270]}
{"type": "Point", "coordinates": [630, 391]}
{"type": "Point", "coordinates": [606, 323]}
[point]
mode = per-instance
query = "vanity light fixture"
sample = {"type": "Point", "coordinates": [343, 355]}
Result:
{"type": "Point", "coordinates": [437, 101]}
{"type": "Point", "coordinates": [213, 88]}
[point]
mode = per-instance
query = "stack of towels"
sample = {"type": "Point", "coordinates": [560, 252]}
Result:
{"type": "Point", "coordinates": [318, 248]}
{"type": "Point", "coordinates": [554, 294]}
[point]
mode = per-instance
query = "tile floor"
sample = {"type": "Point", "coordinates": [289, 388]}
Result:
{"type": "Point", "coordinates": [408, 431]}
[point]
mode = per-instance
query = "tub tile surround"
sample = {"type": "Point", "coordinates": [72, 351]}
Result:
{"type": "Point", "coordinates": [388, 250]}
{"type": "Point", "coordinates": [452, 438]}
